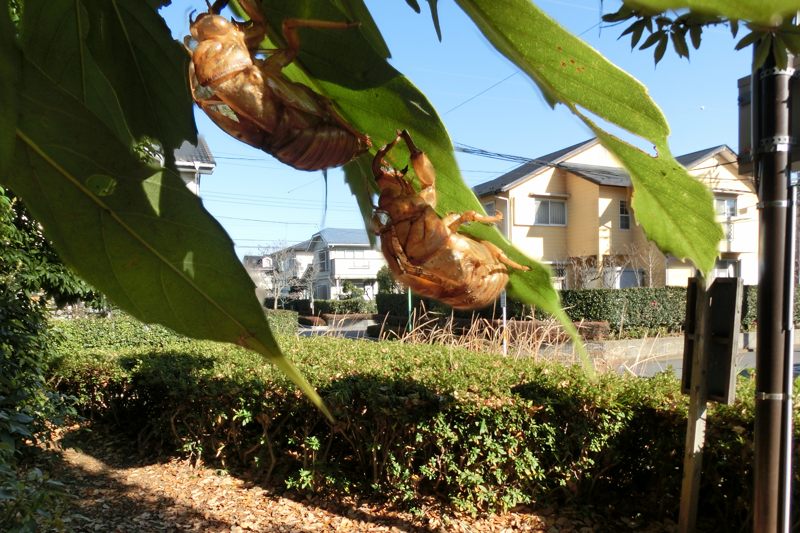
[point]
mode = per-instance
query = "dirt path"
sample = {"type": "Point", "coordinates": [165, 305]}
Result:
{"type": "Point", "coordinates": [115, 491]}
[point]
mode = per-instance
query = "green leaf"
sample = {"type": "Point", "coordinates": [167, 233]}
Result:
{"type": "Point", "coordinates": [780, 53]}
{"type": "Point", "coordinates": [133, 231]}
{"type": "Point", "coordinates": [763, 49]}
{"type": "Point", "coordinates": [414, 5]}
{"type": "Point", "coordinates": [696, 33]}
{"type": "Point", "coordinates": [378, 100]}
{"type": "Point", "coordinates": [679, 43]}
{"type": "Point", "coordinates": [748, 39]}
{"type": "Point", "coordinates": [674, 209]}
{"type": "Point", "coordinates": [574, 74]}
{"type": "Point", "coordinates": [661, 47]}
{"type": "Point", "coordinates": [652, 39]}
{"type": "Point", "coordinates": [434, 4]}
{"type": "Point", "coordinates": [565, 67]}
{"type": "Point", "coordinates": [9, 78]}
{"type": "Point", "coordinates": [147, 68]}
{"type": "Point", "coordinates": [769, 12]}
{"type": "Point", "coordinates": [63, 25]}
{"type": "Point", "coordinates": [356, 10]}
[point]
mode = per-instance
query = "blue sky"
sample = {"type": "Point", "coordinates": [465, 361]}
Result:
{"type": "Point", "coordinates": [483, 101]}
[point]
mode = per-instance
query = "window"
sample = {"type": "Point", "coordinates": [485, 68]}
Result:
{"type": "Point", "coordinates": [725, 207]}
{"type": "Point", "coordinates": [624, 215]}
{"type": "Point", "coordinates": [550, 213]}
{"type": "Point", "coordinates": [322, 257]}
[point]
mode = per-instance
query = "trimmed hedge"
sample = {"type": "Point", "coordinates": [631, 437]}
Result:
{"type": "Point", "coordinates": [122, 331]}
{"type": "Point", "coordinates": [331, 307]}
{"type": "Point", "coordinates": [626, 310]}
{"type": "Point", "coordinates": [282, 322]}
{"type": "Point", "coordinates": [478, 432]}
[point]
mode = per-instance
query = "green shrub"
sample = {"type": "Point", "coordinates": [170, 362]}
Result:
{"type": "Point", "coordinates": [415, 422]}
{"type": "Point", "coordinates": [641, 307]}
{"type": "Point", "coordinates": [282, 322]}
{"type": "Point", "coordinates": [28, 408]}
{"type": "Point", "coordinates": [119, 330]}
{"type": "Point", "coordinates": [343, 307]}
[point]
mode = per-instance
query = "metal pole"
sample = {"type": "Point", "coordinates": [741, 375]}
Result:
{"type": "Point", "coordinates": [788, 318]}
{"type": "Point", "coordinates": [771, 145]}
{"type": "Point", "coordinates": [410, 310]}
{"type": "Point", "coordinates": [505, 323]}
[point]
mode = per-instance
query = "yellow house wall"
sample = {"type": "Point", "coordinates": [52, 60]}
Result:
{"type": "Point", "coordinates": [582, 225]}
{"type": "Point", "coordinates": [593, 219]}
{"type": "Point", "coordinates": [722, 178]}
{"type": "Point", "coordinates": [545, 243]}
{"type": "Point", "coordinates": [613, 240]}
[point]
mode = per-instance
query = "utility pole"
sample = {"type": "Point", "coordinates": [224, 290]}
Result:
{"type": "Point", "coordinates": [772, 143]}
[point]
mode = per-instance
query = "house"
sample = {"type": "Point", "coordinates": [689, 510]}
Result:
{"type": "Point", "coordinates": [344, 255]}
{"type": "Point", "coordinates": [571, 209]}
{"type": "Point", "coordinates": [193, 161]}
{"type": "Point", "coordinates": [282, 270]}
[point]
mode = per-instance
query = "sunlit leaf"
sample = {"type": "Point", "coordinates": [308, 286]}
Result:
{"type": "Point", "coordinates": [665, 197]}
{"type": "Point", "coordinates": [761, 11]}
{"type": "Point", "coordinates": [9, 78]}
{"type": "Point", "coordinates": [565, 67]}
{"type": "Point", "coordinates": [571, 72]}
{"type": "Point", "coordinates": [133, 231]}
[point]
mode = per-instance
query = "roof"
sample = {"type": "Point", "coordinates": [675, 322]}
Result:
{"type": "Point", "coordinates": [690, 160]}
{"type": "Point", "coordinates": [304, 246]}
{"type": "Point", "coordinates": [346, 237]}
{"type": "Point", "coordinates": [509, 179]}
{"type": "Point", "coordinates": [195, 157]}
{"type": "Point", "coordinates": [611, 176]}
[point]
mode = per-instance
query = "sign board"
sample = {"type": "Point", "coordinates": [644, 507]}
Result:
{"type": "Point", "coordinates": [724, 317]}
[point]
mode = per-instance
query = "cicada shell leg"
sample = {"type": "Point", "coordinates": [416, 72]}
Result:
{"type": "Point", "coordinates": [454, 221]}
{"type": "Point", "coordinates": [501, 256]}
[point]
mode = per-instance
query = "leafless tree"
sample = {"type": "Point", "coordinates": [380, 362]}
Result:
{"type": "Point", "coordinates": [282, 272]}
{"type": "Point", "coordinates": [584, 271]}
{"type": "Point", "coordinates": [645, 255]}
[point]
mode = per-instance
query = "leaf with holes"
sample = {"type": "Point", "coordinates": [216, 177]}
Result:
{"type": "Point", "coordinates": [571, 72]}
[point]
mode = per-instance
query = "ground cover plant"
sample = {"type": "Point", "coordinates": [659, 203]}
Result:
{"type": "Point", "coordinates": [417, 423]}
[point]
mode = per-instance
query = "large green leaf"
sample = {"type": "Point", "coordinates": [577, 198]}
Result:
{"type": "Point", "coordinates": [9, 77]}
{"type": "Point", "coordinates": [768, 12]}
{"type": "Point", "coordinates": [133, 231]}
{"type": "Point", "coordinates": [571, 72]}
{"type": "Point", "coordinates": [147, 68]}
{"type": "Point", "coordinates": [378, 100]}
{"type": "Point", "coordinates": [63, 25]}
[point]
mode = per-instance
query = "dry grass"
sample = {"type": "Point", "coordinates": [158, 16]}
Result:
{"type": "Point", "coordinates": [539, 339]}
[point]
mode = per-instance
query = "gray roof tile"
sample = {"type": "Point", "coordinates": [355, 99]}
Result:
{"type": "Point", "coordinates": [190, 154]}
{"type": "Point", "coordinates": [345, 236]}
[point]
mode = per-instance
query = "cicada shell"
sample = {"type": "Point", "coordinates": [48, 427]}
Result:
{"type": "Point", "coordinates": [424, 250]}
{"type": "Point", "coordinates": [251, 99]}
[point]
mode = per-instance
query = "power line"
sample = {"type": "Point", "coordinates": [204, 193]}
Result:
{"type": "Point", "coordinates": [492, 86]}
{"type": "Point", "coordinates": [269, 221]}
